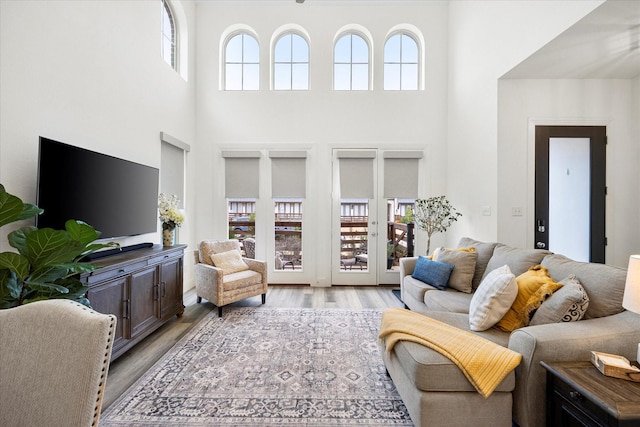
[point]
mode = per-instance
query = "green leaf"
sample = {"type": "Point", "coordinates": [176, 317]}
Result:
{"type": "Point", "coordinates": [17, 263]}
{"type": "Point", "coordinates": [10, 208]}
{"type": "Point", "coordinates": [44, 279]}
{"type": "Point", "coordinates": [81, 231]}
{"type": "Point", "coordinates": [77, 267]}
{"type": "Point", "coordinates": [46, 247]}
{"type": "Point", "coordinates": [10, 286]}
{"type": "Point", "coordinates": [29, 211]}
{"type": "Point", "coordinates": [18, 239]}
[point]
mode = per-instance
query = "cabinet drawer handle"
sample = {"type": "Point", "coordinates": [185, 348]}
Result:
{"type": "Point", "coordinates": [122, 270]}
{"type": "Point", "coordinates": [574, 395]}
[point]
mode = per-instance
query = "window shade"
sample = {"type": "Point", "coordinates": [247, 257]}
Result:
{"type": "Point", "coordinates": [356, 174]}
{"type": "Point", "coordinates": [172, 171]}
{"type": "Point", "coordinates": [288, 173]}
{"type": "Point", "coordinates": [401, 174]}
{"type": "Point", "coordinates": [241, 174]}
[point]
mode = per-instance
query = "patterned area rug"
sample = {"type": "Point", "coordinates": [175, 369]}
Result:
{"type": "Point", "coordinates": [259, 366]}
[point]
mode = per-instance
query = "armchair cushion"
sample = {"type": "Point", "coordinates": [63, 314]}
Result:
{"type": "Point", "coordinates": [229, 262]}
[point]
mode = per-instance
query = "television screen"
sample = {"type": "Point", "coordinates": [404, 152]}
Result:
{"type": "Point", "coordinates": [115, 196]}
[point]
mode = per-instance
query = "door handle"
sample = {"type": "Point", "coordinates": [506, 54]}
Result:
{"type": "Point", "coordinates": [541, 245]}
{"type": "Point", "coordinates": [541, 227]}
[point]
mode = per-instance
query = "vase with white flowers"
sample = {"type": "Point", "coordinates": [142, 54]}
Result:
{"type": "Point", "coordinates": [170, 217]}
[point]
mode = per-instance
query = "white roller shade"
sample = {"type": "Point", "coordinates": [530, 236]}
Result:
{"type": "Point", "coordinates": [288, 174]}
{"type": "Point", "coordinates": [241, 174]}
{"type": "Point", "coordinates": [172, 159]}
{"type": "Point", "coordinates": [401, 170]}
{"type": "Point", "coordinates": [356, 174]}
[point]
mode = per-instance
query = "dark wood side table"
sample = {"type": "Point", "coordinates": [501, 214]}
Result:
{"type": "Point", "coordinates": [579, 395]}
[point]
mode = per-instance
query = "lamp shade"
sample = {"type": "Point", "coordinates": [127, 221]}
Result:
{"type": "Point", "coordinates": [631, 299]}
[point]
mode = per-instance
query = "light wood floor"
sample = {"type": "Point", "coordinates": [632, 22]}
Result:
{"type": "Point", "coordinates": [125, 370]}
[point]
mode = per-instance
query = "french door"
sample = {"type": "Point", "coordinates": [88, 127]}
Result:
{"type": "Point", "coordinates": [372, 189]}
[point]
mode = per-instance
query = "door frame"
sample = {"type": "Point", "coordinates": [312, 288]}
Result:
{"type": "Point", "coordinates": [598, 142]}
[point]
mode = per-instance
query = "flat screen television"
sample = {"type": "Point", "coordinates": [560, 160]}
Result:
{"type": "Point", "coordinates": [115, 196]}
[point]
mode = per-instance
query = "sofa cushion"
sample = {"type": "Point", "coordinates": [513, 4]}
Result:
{"type": "Point", "coordinates": [448, 300]}
{"type": "Point", "coordinates": [492, 299]}
{"type": "Point", "coordinates": [433, 273]}
{"type": "Point", "coordinates": [603, 283]}
{"type": "Point", "coordinates": [519, 260]}
{"type": "Point", "coordinates": [534, 286]}
{"type": "Point", "coordinates": [484, 251]}
{"type": "Point", "coordinates": [568, 304]}
{"type": "Point", "coordinates": [464, 266]}
{"type": "Point", "coordinates": [415, 287]}
{"type": "Point", "coordinates": [431, 371]}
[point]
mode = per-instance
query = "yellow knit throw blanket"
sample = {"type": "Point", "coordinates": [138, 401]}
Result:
{"type": "Point", "coordinates": [484, 363]}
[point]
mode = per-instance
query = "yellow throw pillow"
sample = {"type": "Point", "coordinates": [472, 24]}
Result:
{"type": "Point", "coordinates": [534, 286]}
{"type": "Point", "coordinates": [229, 262]}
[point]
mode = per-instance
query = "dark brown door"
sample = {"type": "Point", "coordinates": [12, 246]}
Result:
{"type": "Point", "coordinates": [550, 192]}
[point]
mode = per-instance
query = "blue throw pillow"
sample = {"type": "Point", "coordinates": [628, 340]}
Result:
{"type": "Point", "coordinates": [434, 273]}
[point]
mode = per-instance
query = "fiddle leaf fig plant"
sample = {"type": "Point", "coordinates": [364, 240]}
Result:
{"type": "Point", "coordinates": [434, 215]}
{"type": "Point", "coordinates": [47, 261]}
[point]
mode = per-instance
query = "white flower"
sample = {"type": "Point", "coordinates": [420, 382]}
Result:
{"type": "Point", "coordinates": [170, 216]}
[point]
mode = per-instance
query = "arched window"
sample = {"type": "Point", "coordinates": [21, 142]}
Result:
{"type": "Point", "coordinates": [351, 63]}
{"type": "Point", "coordinates": [401, 63]}
{"type": "Point", "coordinates": [169, 36]}
{"type": "Point", "coordinates": [291, 63]}
{"type": "Point", "coordinates": [242, 63]}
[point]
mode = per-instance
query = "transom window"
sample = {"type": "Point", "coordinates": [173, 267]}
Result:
{"type": "Point", "coordinates": [168, 36]}
{"type": "Point", "coordinates": [401, 63]}
{"type": "Point", "coordinates": [291, 63]}
{"type": "Point", "coordinates": [351, 63]}
{"type": "Point", "coordinates": [242, 63]}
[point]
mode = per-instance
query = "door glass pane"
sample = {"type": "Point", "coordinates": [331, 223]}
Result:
{"type": "Point", "coordinates": [354, 232]}
{"type": "Point", "coordinates": [400, 231]}
{"type": "Point", "coordinates": [288, 234]}
{"type": "Point", "coordinates": [569, 197]}
{"type": "Point", "coordinates": [242, 218]}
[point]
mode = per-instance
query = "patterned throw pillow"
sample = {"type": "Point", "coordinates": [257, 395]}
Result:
{"type": "Point", "coordinates": [230, 261]}
{"type": "Point", "coordinates": [433, 273]}
{"type": "Point", "coordinates": [492, 299]}
{"type": "Point", "coordinates": [534, 286]}
{"type": "Point", "coordinates": [569, 304]}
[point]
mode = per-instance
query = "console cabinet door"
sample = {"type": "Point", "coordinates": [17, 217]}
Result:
{"type": "Point", "coordinates": [171, 288]}
{"type": "Point", "coordinates": [145, 304]}
{"type": "Point", "coordinates": [112, 298]}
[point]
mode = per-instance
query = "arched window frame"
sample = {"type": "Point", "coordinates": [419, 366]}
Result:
{"type": "Point", "coordinates": [418, 38]}
{"type": "Point", "coordinates": [169, 36]}
{"type": "Point", "coordinates": [245, 32]}
{"type": "Point", "coordinates": [366, 36]}
{"type": "Point", "coordinates": [277, 37]}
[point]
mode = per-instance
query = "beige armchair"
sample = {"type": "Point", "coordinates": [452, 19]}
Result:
{"type": "Point", "coordinates": [220, 287]}
{"type": "Point", "coordinates": [54, 360]}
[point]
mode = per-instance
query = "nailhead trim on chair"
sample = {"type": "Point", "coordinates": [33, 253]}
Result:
{"type": "Point", "coordinates": [105, 362]}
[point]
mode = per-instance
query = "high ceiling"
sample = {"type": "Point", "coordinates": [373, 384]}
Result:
{"type": "Point", "coordinates": [604, 44]}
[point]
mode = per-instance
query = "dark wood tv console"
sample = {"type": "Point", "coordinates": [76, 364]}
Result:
{"type": "Point", "coordinates": [143, 288]}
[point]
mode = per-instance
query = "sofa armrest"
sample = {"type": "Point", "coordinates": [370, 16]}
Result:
{"type": "Point", "coordinates": [407, 265]}
{"type": "Point", "coordinates": [561, 342]}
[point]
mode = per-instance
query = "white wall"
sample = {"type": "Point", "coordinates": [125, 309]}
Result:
{"type": "Point", "coordinates": [318, 119]}
{"type": "Point", "coordinates": [89, 74]}
{"type": "Point", "coordinates": [611, 103]}
{"type": "Point", "coordinates": [488, 38]}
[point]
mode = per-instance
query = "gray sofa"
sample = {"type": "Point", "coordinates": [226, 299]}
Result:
{"type": "Point", "coordinates": [605, 327]}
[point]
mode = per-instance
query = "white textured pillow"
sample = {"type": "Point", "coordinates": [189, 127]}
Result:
{"type": "Point", "coordinates": [230, 261]}
{"type": "Point", "coordinates": [492, 299]}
